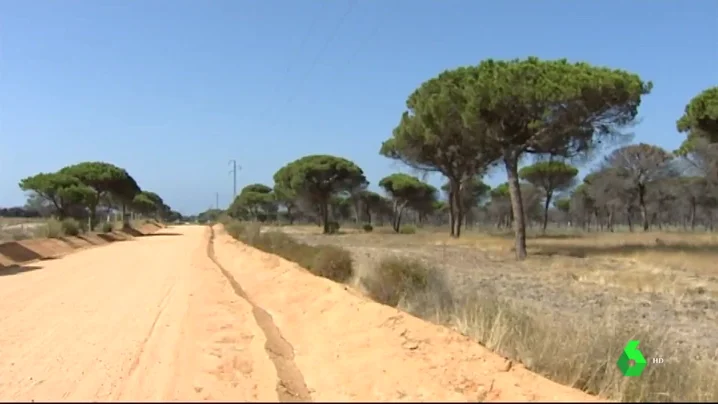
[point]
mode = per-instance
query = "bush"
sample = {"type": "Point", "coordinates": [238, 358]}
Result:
{"type": "Point", "coordinates": [106, 227]}
{"type": "Point", "coordinates": [54, 228]}
{"type": "Point", "coordinates": [334, 263]}
{"type": "Point", "coordinates": [286, 247]}
{"type": "Point", "coordinates": [235, 229]}
{"type": "Point", "coordinates": [71, 227]}
{"type": "Point", "coordinates": [333, 227]}
{"type": "Point", "coordinates": [368, 228]}
{"type": "Point", "coordinates": [327, 261]}
{"type": "Point", "coordinates": [398, 281]}
{"type": "Point", "coordinates": [407, 230]}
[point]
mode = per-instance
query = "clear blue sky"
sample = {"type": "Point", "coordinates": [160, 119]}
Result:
{"type": "Point", "coordinates": [171, 90]}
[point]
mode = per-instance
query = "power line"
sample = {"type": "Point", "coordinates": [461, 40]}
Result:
{"type": "Point", "coordinates": [233, 171]}
{"type": "Point", "coordinates": [319, 54]}
{"type": "Point", "coordinates": [372, 34]}
{"type": "Point", "coordinates": [288, 70]}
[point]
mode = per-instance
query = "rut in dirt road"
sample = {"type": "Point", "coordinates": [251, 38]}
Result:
{"type": "Point", "coordinates": [290, 381]}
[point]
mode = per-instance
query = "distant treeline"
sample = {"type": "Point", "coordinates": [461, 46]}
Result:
{"type": "Point", "coordinates": [18, 211]}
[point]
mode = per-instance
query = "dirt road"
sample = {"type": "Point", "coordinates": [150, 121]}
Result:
{"type": "Point", "coordinates": [156, 318]}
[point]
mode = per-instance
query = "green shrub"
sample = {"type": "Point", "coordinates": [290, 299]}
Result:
{"type": "Point", "coordinates": [334, 263]}
{"type": "Point", "coordinates": [328, 261]}
{"type": "Point", "coordinates": [407, 230]}
{"type": "Point", "coordinates": [71, 227]}
{"type": "Point", "coordinates": [397, 280]}
{"type": "Point", "coordinates": [235, 229]}
{"type": "Point", "coordinates": [106, 227]}
{"type": "Point", "coordinates": [225, 219]}
{"type": "Point", "coordinates": [368, 228]}
{"type": "Point", "coordinates": [54, 229]}
{"type": "Point", "coordinates": [286, 247]}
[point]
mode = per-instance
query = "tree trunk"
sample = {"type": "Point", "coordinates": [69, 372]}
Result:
{"type": "Point", "coordinates": [93, 217]}
{"type": "Point", "coordinates": [511, 163]}
{"type": "Point", "coordinates": [125, 216]}
{"type": "Point", "coordinates": [398, 211]}
{"type": "Point", "coordinates": [545, 211]}
{"type": "Point", "coordinates": [452, 211]}
{"type": "Point", "coordinates": [290, 216]}
{"type": "Point", "coordinates": [644, 209]}
{"type": "Point", "coordinates": [457, 207]}
{"type": "Point", "coordinates": [325, 216]}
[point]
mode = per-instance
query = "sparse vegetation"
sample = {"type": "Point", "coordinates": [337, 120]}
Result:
{"type": "Point", "coordinates": [566, 312]}
{"type": "Point", "coordinates": [327, 261]}
{"type": "Point", "coordinates": [569, 309]}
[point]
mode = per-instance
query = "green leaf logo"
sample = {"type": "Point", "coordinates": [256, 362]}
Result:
{"type": "Point", "coordinates": [631, 353]}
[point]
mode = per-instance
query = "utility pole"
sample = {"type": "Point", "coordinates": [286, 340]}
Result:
{"type": "Point", "coordinates": [233, 171]}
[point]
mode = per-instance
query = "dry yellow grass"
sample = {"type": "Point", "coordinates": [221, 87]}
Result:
{"type": "Point", "coordinates": [9, 221]}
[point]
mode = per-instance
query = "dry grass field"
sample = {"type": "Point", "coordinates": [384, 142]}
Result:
{"type": "Point", "coordinates": [9, 221]}
{"type": "Point", "coordinates": [569, 309]}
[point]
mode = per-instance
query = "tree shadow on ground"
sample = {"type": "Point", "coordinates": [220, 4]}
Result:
{"type": "Point", "coordinates": [554, 236]}
{"type": "Point", "coordinates": [17, 269]}
{"type": "Point", "coordinates": [109, 237]}
{"type": "Point", "coordinates": [88, 239]}
{"type": "Point", "coordinates": [132, 231]}
{"type": "Point", "coordinates": [73, 243]}
{"type": "Point", "coordinates": [584, 251]}
{"type": "Point", "coordinates": [511, 236]}
{"type": "Point", "coordinates": [160, 234]}
{"type": "Point", "coordinates": [17, 252]}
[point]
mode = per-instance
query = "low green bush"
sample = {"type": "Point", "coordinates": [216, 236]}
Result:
{"type": "Point", "coordinates": [54, 229]}
{"type": "Point", "coordinates": [368, 228]}
{"type": "Point", "coordinates": [407, 230]}
{"type": "Point", "coordinates": [106, 227]}
{"type": "Point", "coordinates": [398, 280]}
{"type": "Point", "coordinates": [327, 261]}
{"type": "Point", "coordinates": [334, 263]}
{"type": "Point", "coordinates": [71, 227]}
{"type": "Point", "coordinates": [235, 229]}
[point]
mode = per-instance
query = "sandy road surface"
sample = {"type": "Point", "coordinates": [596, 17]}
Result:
{"type": "Point", "coordinates": [183, 315]}
{"type": "Point", "coordinates": [147, 319]}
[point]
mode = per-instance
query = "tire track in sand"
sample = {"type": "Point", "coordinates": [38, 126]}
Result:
{"type": "Point", "coordinates": [162, 307]}
{"type": "Point", "coordinates": [290, 381]}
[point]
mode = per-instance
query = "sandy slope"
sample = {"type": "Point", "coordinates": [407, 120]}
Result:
{"type": "Point", "coordinates": [156, 319]}
{"type": "Point", "coordinates": [148, 319]}
{"type": "Point", "coordinates": [347, 348]}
